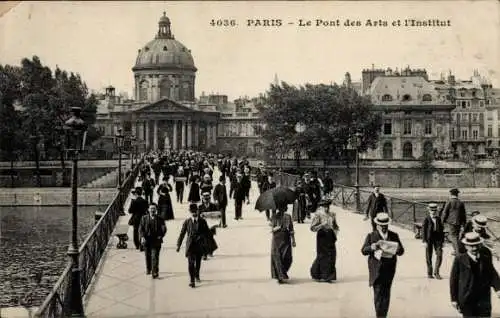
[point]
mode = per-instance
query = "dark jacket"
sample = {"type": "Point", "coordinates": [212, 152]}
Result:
{"type": "Point", "coordinates": [454, 212]}
{"type": "Point", "coordinates": [462, 280]}
{"type": "Point", "coordinates": [210, 208]}
{"type": "Point", "coordinates": [385, 268]}
{"type": "Point", "coordinates": [429, 234]}
{"type": "Point", "coordinates": [152, 230]}
{"type": "Point", "coordinates": [220, 195]}
{"type": "Point", "coordinates": [328, 184]}
{"type": "Point", "coordinates": [148, 185]}
{"type": "Point", "coordinates": [195, 235]}
{"type": "Point", "coordinates": [376, 204]}
{"type": "Point", "coordinates": [239, 193]}
{"type": "Point", "coordinates": [267, 186]}
{"type": "Point", "coordinates": [138, 208]}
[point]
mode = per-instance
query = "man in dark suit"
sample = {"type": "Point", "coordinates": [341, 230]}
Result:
{"type": "Point", "coordinates": [376, 204]}
{"type": "Point", "coordinates": [269, 184]}
{"type": "Point", "coordinates": [220, 198]}
{"type": "Point", "coordinates": [148, 185]}
{"type": "Point", "coordinates": [433, 238]}
{"type": "Point", "coordinates": [328, 184]}
{"type": "Point", "coordinates": [196, 229]}
{"type": "Point", "coordinates": [454, 217]}
{"type": "Point", "coordinates": [138, 208]}
{"type": "Point", "coordinates": [239, 196]}
{"type": "Point", "coordinates": [472, 276]}
{"type": "Point", "coordinates": [381, 264]}
{"type": "Point", "coordinates": [152, 229]}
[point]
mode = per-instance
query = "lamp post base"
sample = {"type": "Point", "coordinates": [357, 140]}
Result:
{"type": "Point", "coordinates": [75, 305]}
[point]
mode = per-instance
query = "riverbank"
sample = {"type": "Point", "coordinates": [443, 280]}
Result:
{"type": "Point", "coordinates": [55, 196]}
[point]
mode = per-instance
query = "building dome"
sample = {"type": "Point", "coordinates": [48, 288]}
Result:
{"type": "Point", "coordinates": [164, 52]}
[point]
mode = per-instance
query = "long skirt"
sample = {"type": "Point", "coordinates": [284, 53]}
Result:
{"type": "Point", "coordinates": [323, 267]}
{"type": "Point", "coordinates": [281, 255]}
{"type": "Point", "coordinates": [165, 208]}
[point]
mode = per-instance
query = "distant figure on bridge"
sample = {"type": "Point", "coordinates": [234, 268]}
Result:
{"type": "Point", "coordinates": [138, 208]}
{"type": "Point", "coordinates": [328, 184]}
{"type": "Point", "coordinates": [180, 179]}
{"type": "Point", "coordinates": [152, 229]}
{"type": "Point", "coordinates": [300, 205]}
{"type": "Point", "coordinates": [268, 184]}
{"type": "Point", "coordinates": [165, 201]}
{"type": "Point", "coordinates": [239, 194]}
{"type": "Point", "coordinates": [196, 229]}
{"type": "Point", "coordinates": [454, 217]}
{"type": "Point", "coordinates": [471, 278]}
{"type": "Point", "coordinates": [376, 204]}
{"type": "Point", "coordinates": [148, 185]}
{"type": "Point", "coordinates": [281, 246]}
{"type": "Point", "coordinates": [325, 225]}
{"type": "Point", "coordinates": [433, 238]}
{"type": "Point", "coordinates": [220, 198]}
{"type": "Point", "coordinates": [382, 248]}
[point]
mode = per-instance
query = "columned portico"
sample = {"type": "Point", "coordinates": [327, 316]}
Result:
{"type": "Point", "coordinates": [183, 135]}
{"type": "Point", "coordinates": [189, 135]}
{"type": "Point", "coordinates": [155, 135]}
{"type": "Point", "coordinates": [174, 144]}
{"type": "Point", "coordinates": [147, 135]}
{"type": "Point", "coordinates": [196, 135]}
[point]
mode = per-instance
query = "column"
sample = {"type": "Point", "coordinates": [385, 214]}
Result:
{"type": "Point", "coordinates": [189, 136]}
{"type": "Point", "coordinates": [196, 135]}
{"type": "Point", "coordinates": [147, 134]}
{"type": "Point", "coordinates": [183, 135]}
{"type": "Point", "coordinates": [174, 144]}
{"type": "Point", "coordinates": [215, 134]}
{"type": "Point", "coordinates": [155, 135]}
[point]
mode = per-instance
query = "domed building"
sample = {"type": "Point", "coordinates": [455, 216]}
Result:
{"type": "Point", "coordinates": [165, 115]}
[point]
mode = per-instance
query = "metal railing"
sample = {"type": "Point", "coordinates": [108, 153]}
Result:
{"type": "Point", "coordinates": [91, 251]}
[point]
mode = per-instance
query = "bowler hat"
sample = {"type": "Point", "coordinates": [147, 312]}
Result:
{"type": "Point", "coordinates": [432, 206]}
{"type": "Point", "coordinates": [472, 238]}
{"type": "Point", "coordinates": [206, 194]}
{"type": "Point", "coordinates": [480, 220]}
{"type": "Point", "coordinates": [454, 191]}
{"type": "Point", "coordinates": [382, 219]}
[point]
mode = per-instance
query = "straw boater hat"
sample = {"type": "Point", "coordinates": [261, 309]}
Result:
{"type": "Point", "coordinates": [472, 238]}
{"type": "Point", "coordinates": [382, 219]}
{"type": "Point", "coordinates": [480, 220]}
{"type": "Point", "coordinates": [432, 207]}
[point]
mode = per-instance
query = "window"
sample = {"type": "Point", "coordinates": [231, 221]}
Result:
{"type": "Point", "coordinates": [386, 98]}
{"type": "Point", "coordinates": [407, 127]}
{"type": "Point", "coordinates": [258, 148]}
{"type": "Point", "coordinates": [474, 118]}
{"type": "Point", "coordinates": [481, 103]}
{"type": "Point", "coordinates": [462, 94]}
{"type": "Point", "coordinates": [464, 134]}
{"type": "Point", "coordinates": [490, 130]}
{"type": "Point", "coordinates": [388, 127]}
{"type": "Point", "coordinates": [242, 148]}
{"type": "Point", "coordinates": [407, 150]}
{"type": "Point", "coordinates": [428, 147]}
{"type": "Point", "coordinates": [406, 98]}
{"type": "Point", "coordinates": [481, 118]}
{"type": "Point", "coordinates": [427, 98]}
{"type": "Point", "coordinates": [387, 150]}
{"type": "Point", "coordinates": [458, 117]}
{"type": "Point", "coordinates": [143, 90]}
{"type": "Point", "coordinates": [468, 104]}
{"type": "Point", "coordinates": [428, 127]}
{"type": "Point", "coordinates": [452, 133]}
{"type": "Point", "coordinates": [464, 104]}
{"type": "Point", "coordinates": [475, 134]}
{"type": "Point", "coordinates": [165, 87]}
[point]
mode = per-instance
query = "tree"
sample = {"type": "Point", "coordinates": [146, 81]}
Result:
{"type": "Point", "coordinates": [332, 114]}
{"type": "Point", "coordinates": [426, 164]}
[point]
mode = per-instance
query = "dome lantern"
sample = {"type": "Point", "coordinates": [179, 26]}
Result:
{"type": "Point", "coordinates": [164, 31]}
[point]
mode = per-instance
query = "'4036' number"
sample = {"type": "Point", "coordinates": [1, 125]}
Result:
{"type": "Point", "coordinates": [222, 22]}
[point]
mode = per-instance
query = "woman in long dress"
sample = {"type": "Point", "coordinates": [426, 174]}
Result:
{"type": "Point", "coordinates": [165, 208]}
{"type": "Point", "coordinates": [194, 190]}
{"type": "Point", "coordinates": [300, 204]}
{"type": "Point", "coordinates": [326, 228]}
{"type": "Point", "coordinates": [281, 246]}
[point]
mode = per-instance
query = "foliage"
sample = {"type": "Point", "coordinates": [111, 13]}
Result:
{"type": "Point", "coordinates": [46, 99]}
{"type": "Point", "coordinates": [332, 115]}
{"type": "Point", "coordinates": [426, 160]}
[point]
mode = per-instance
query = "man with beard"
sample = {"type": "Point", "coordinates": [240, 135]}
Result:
{"type": "Point", "coordinates": [381, 262]}
{"type": "Point", "coordinates": [471, 278]}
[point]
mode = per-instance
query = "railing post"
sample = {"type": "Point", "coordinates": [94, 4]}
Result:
{"type": "Point", "coordinates": [414, 215]}
{"type": "Point", "coordinates": [391, 211]}
{"type": "Point", "coordinates": [343, 199]}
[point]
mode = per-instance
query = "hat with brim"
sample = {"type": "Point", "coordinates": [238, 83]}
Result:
{"type": "Point", "coordinates": [472, 238]}
{"type": "Point", "coordinates": [205, 194]}
{"type": "Point", "coordinates": [432, 207]}
{"type": "Point", "coordinates": [454, 191]}
{"type": "Point", "coordinates": [193, 208]}
{"type": "Point", "coordinates": [480, 220]}
{"type": "Point", "coordinates": [382, 219]}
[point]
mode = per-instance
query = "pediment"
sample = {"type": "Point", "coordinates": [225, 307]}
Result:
{"type": "Point", "coordinates": [165, 106]}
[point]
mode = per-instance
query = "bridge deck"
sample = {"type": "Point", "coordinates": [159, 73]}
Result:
{"type": "Point", "coordinates": [237, 283]}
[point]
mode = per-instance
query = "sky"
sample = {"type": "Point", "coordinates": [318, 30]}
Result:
{"type": "Point", "coordinates": [100, 40]}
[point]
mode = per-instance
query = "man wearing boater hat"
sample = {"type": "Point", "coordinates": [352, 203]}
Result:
{"type": "Point", "coordinates": [433, 238]}
{"type": "Point", "coordinates": [454, 217]}
{"type": "Point", "coordinates": [381, 262]}
{"type": "Point", "coordinates": [472, 276]}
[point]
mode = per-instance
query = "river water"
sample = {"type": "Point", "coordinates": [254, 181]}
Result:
{"type": "Point", "coordinates": [36, 239]}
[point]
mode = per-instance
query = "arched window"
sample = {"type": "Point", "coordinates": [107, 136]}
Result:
{"type": "Point", "coordinates": [143, 90]}
{"type": "Point", "coordinates": [408, 150]}
{"type": "Point", "coordinates": [242, 148]}
{"type": "Point", "coordinates": [406, 97]}
{"type": "Point", "coordinates": [386, 98]}
{"type": "Point", "coordinates": [387, 150]}
{"type": "Point", "coordinates": [257, 148]}
{"type": "Point", "coordinates": [185, 91]}
{"type": "Point", "coordinates": [428, 147]}
{"type": "Point", "coordinates": [427, 98]}
{"type": "Point", "coordinates": [165, 87]}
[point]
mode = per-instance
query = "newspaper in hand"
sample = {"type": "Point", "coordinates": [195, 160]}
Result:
{"type": "Point", "coordinates": [388, 248]}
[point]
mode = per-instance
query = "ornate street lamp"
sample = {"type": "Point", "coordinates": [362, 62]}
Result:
{"type": "Point", "coordinates": [132, 151]}
{"type": "Point", "coordinates": [119, 142]}
{"type": "Point", "coordinates": [357, 143]}
{"type": "Point", "coordinates": [76, 135]}
{"type": "Point", "coordinates": [299, 129]}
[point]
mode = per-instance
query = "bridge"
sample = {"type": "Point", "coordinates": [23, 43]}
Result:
{"type": "Point", "coordinates": [236, 281]}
